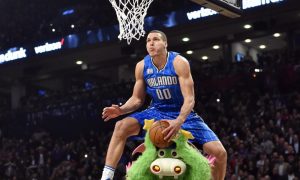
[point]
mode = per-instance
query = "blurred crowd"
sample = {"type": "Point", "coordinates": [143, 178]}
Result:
{"type": "Point", "coordinates": [60, 135]}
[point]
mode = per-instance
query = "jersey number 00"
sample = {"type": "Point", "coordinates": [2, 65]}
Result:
{"type": "Point", "coordinates": [163, 94]}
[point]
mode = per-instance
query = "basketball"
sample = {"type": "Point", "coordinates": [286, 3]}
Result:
{"type": "Point", "coordinates": [156, 135]}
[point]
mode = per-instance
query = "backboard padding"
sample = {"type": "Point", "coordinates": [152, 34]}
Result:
{"type": "Point", "coordinates": [222, 6]}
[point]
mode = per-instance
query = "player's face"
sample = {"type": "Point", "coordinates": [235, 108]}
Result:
{"type": "Point", "coordinates": [155, 44]}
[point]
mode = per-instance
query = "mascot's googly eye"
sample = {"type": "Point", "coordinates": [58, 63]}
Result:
{"type": "Point", "coordinates": [174, 153]}
{"type": "Point", "coordinates": [161, 153]}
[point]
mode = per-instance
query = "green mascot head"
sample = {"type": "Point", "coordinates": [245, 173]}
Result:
{"type": "Point", "coordinates": [181, 161]}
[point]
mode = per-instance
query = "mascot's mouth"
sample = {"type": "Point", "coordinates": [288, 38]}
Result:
{"type": "Point", "coordinates": [168, 167]}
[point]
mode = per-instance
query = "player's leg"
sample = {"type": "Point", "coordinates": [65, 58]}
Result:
{"type": "Point", "coordinates": [216, 149]}
{"type": "Point", "coordinates": [123, 129]}
{"type": "Point", "coordinates": [211, 143]}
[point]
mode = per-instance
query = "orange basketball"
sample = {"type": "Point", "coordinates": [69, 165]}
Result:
{"type": "Point", "coordinates": [156, 135]}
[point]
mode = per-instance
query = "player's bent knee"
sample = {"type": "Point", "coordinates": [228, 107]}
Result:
{"type": "Point", "coordinates": [221, 154]}
{"type": "Point", "coordinates": [216, 149]}
{"type": "Point", "coordinates": [125, 128]}
{"type": "Point", "coordinates": [119, 127]}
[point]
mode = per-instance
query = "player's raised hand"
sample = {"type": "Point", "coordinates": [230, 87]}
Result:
{"type": "Point", "coordinates": [111, 112]}
{"type": "Point", "coordinates": [172, 130]}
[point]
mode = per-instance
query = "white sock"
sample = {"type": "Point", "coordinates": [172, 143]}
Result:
{"type": "Point", "coordinates": [108, 173]}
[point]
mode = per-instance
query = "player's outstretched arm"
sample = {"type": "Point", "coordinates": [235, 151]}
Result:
{"type": "Point", "coordinates": [134, 102]}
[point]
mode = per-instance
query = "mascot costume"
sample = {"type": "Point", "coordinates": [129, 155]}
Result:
{"type": "Point", "coordinates": [181, 161]}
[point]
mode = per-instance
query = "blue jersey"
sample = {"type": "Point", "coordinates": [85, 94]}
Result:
{"type": "Point", "coordinates": [164, 88]}
{"type": "Point", "coordinates": [163, 85]}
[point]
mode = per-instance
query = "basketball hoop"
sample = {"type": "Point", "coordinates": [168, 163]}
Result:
{"type": "Point", "coordinates": [131, 15]}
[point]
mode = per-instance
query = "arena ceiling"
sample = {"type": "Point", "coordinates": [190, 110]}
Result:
{"type": "Point", "coordinates": [203, 35]}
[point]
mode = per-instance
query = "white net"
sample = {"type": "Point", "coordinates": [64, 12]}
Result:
{"type": "Point", "coordinates": [131, 15]}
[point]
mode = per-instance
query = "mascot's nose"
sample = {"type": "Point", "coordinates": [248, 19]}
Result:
{"type": "Point", "coordinates": [168, 167]}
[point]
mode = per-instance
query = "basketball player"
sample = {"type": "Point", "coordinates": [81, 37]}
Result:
{"type": "Point", "coordinates": [166, 77]}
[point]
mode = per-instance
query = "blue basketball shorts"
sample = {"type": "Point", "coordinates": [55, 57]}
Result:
{"type": "Point", "coordinates": [194, 123]}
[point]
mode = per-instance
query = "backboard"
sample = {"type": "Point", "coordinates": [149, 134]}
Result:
{"type": "Point", "coordinates": [229, 8]}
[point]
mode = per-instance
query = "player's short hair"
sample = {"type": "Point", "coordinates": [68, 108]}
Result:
{"type": "Point", "coordinates": [163, 35]}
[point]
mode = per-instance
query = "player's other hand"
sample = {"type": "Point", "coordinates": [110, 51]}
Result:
{"type": "Point", "coordinates": [111, 112]}
{"type": "Point", "coordinates": [172, 130]}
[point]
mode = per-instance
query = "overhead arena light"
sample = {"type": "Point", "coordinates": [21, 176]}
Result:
{"type": "Point", "coordinates": [248, 40]}
{"type": "Point", "coordinates": [185, 39]}
{"type": "Point", "coordinates": [247, 26]}
{"type": "Point", "coordinates": [204, 58]}
{"type": "Point", "coordinates": [189, 52]}
{"type": "Point", "coordinates": [276, 34]}
{"type": "Point", "coordinates": [262, 46]}
{"type": "Point", "coordinates": [79, 62]}
{"type": "Point", "coordinates": [216, 47]}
